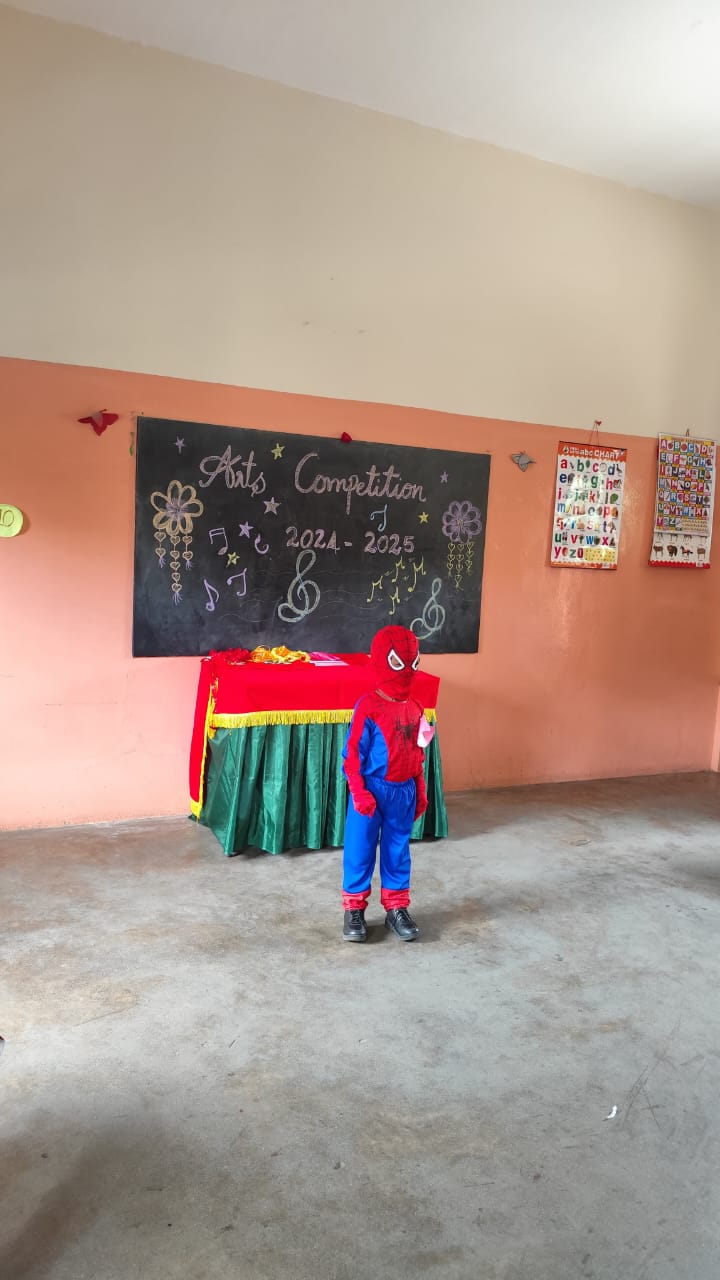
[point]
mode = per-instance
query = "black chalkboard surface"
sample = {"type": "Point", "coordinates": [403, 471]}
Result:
{"type": "Point", "coordinates": [247, 537]}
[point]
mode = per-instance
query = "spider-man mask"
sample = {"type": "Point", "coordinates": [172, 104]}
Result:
{"type": "Point", "coordinates": [395, 656]}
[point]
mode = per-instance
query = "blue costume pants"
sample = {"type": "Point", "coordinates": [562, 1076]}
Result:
{"type": "Point", "coordinates": [392, 821]}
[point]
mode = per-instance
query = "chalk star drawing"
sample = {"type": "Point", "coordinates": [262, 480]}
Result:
{"type": "Point", "coordinates": [271, 507]}
{"type": "Point", "coordinates": [278, 451]}
{"type": "Point", "coordinates": [245, 529]}
{"type": "Point", "coordinates": [233, 557]}
{"type": "Point", "coordinates": [423, 517]}
{"type": "Point", "coordinates": [444, 478]}
{"type": "Point", "coordinates": [179, 444]}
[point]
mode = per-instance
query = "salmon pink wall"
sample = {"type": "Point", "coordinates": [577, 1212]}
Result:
{"type": "Point", "coordinates": [580, 674]}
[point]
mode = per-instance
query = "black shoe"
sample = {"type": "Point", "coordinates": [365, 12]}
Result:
{"type": "Point", "coordinates": [401, 922]}
{"type": "Point", "coordinates": [354, 929]}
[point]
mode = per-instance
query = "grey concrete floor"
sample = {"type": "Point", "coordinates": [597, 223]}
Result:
{"type": "Point", "coordinates": [200, 1080]}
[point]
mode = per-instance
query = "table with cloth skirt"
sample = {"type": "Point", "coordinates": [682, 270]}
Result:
{"type": "Point", "coordinates": [266, 754]}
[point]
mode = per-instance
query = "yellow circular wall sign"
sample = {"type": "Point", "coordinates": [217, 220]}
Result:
{"type": "Point", "coordinates": [11, 520]}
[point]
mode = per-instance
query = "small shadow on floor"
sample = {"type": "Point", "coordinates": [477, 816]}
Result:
{"type": "Point", "coordinates": [134, 1182]}
{"type": "Point", "coordinates": [59, 1219]}
{"type": "Point", "coordinates": [252, 854]}
{"type": "Point", "coordinates": [697, 877]}
{"type": "Point", "coordinates": [464, 920]}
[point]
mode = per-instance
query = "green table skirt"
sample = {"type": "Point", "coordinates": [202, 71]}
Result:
{"type": "Point", "coordinates": [279, 787]}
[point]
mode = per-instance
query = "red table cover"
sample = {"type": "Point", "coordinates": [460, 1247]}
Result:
{"type": "Point", "coordinates": [235, 696]}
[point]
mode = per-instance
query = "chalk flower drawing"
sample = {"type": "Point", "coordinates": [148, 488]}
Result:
{"type": "Point", "coordinates": [177, 508]}
{"type": "Point", "coordinates": [461, 524]}
{"type": "Point", "coordinates": [175, 511]}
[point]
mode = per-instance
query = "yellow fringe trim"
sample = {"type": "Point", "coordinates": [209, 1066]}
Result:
{"type": "Point", "coordinates": [252, 719]}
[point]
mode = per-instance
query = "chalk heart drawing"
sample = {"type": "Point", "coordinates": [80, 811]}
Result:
{"type": "Point", "coordinates": [175, 511]}
{"type": "Point", "coordinates": [461, 525]}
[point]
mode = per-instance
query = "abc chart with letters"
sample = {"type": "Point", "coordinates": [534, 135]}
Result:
{"type": "Point", "coordinates": [589, 491]}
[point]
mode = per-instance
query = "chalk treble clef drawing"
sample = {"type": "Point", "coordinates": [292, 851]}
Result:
{"type": "Point", "coordinates": [303, 594]}
{"type": "Point", "coordinates": [432, 618]}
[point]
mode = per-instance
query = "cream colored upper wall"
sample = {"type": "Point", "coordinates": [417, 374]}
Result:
{"type": "Point", "coordinates": [166, 216]}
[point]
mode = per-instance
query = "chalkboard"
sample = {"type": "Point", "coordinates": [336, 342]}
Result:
{"type": "Point", "coordinates": [247, 537]}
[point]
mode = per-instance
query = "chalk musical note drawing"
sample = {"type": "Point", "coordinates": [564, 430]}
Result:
{"type": "Point", "coordinates": [382, 512]}
{"type": "Point", "coordinates": [303, 595]}
{"type": "Point", "coordinates": [234, 578]}
{"type": "Point", "coordinates": [265, 547]}
{"type": "Point", "coordinates": [394, 600]}
{"type": "Point", "coordinates": [211, 592]}
{"type": "Point", "coordinates": [432, 618]}
{"type": "Point", "coordinates": [418, 569]}
{"type": "Point", "coordinates": [400, 565]}
{"type": "Point", "coordinates": [219, 533]}
{"type": "Point", "coordinates": [376, 583]}
{"type": "Point", "coordinates": [175, 512]}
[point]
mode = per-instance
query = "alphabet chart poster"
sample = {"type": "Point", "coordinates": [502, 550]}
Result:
{"type": "Point", "coordinates": [684, 503]}
{"type": "Point", "coordinates": [588, 506]}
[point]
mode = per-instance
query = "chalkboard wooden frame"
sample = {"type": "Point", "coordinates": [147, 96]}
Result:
{"type": "Point", "coordinates": [247, 537]}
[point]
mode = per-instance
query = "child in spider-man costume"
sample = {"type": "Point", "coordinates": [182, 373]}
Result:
{"type": "Point", "coordinates": [384, 765]}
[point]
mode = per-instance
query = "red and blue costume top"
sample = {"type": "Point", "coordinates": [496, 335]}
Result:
{"type": "Point", "coordinates": [383, 740]}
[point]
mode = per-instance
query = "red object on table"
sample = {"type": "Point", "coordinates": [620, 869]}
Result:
{"type": "Point", "coordinates": [235, 696]}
